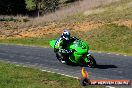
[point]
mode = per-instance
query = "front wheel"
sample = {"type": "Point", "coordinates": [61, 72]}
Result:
{"type": "Point", "coordinates": [60, 58]}
{"type": "Point", "coordinates": [92, 62]}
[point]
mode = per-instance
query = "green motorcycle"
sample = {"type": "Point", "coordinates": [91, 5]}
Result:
{"type": "Point", "coordinates": [80, 55]}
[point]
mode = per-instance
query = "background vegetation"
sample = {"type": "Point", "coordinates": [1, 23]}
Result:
{"type": "Point", "coordinates": [28, 7]}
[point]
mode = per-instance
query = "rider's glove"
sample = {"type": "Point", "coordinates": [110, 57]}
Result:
{"type": "Point", "coordinates": [74, 38]}
{"type": "Point", "coordinates": [71, 52]}
{"type": "Point", "coordinates": [61, 51]}
{"type": "Point", "coordinates": [66, 51]}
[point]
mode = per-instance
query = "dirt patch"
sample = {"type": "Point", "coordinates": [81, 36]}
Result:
{"type": "Point", "coordinates": [56, 29]}
{"type": "Point", "coordinates": [127, 23]}
{"type": "Point", "coordinates": [7, 25]}
{"type": "Point", "coordinates": [51, 29]}
{"type": "Point", "coordinates": [50, 82]}
{"type": "Point", "coordinates": [84, 26]}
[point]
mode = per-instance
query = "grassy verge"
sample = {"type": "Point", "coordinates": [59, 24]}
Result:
{"type": "Point", "coordinates": [110, 38]}
{"type": "Point", "coordinates": [26, 41]}
{"type": "Point", "coordinates": [12, 76]}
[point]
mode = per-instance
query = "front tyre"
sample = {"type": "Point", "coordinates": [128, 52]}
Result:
{"type": "Point", "coordinates": [92, 62]}
{"type": "Point", "coordinates": [58, 57]}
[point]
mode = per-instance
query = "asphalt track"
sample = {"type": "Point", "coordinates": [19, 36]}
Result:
{"type": "Point", "coordinates": [110, 66]}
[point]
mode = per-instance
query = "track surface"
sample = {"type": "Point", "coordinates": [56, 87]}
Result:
{"type": "Point", "coordinates": [109, 66]}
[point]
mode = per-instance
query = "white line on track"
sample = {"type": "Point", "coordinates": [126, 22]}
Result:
{"type": "Point", "coordinates": [117, 54]}
{"type": "Point", "coordinates": [125, 55]}
{"type": "Point", "coordinates": [110, 87]}
{"type": "Point", "coordinates": [60, 74]}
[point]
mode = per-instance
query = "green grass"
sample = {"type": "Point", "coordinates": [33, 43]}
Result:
{"type": "Point", "coordinates": [12, 76]}
{"type": "Point", "coordinates": [27, 41]}
{"type": "Point", "coordinates": [78, 17]}
{"type": "Point", "coordinates": [111, 38]}
{"type": "Point", "coordinates": [112, 12]}
{"type": "Point", "coordinates": [112, 15]}
{"type": "Point", "coordinates": [35, 41]}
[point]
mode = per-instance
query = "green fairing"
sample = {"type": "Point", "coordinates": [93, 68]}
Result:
{"type": "Point", "coordinates": [81, 51]}
{"type": "Point", "coordinates": [52, 43]}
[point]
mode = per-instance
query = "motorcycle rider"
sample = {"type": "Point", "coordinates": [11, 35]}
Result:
{"type": "Point", "coordinates": [61, 46]}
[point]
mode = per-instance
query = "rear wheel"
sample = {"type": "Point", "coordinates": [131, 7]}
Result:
{"type": "Point", "coordinates": [92, 62]}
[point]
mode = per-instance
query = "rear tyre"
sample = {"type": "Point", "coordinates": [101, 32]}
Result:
{"type": "Point", "coordinates": [92, 62]}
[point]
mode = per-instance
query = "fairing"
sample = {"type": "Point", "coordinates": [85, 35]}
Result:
{"type": "Point", "coordinates": [81, 50]}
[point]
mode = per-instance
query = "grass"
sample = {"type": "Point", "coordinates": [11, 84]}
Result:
{"type": "Point", "coordinates": [78, 17]}
{"type": "Point", "coordinates": [27, 41]}
{"type": "Point", "coordinates": [111, 38]}
{"type": "Point", "coordinates": [12, 76]}
{"type": "Point", "coordinates": [36, 41]}
{"type": "Point", "coordinates": [113, 12]}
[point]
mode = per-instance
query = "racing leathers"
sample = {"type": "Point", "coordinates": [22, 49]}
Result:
{"type": "Point", "coordinates": [61, 48]}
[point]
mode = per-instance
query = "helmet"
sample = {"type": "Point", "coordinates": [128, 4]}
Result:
{"type": "Point", "coordinates": [66, 35]}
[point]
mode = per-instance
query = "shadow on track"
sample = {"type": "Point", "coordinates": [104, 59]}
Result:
{"type": "Point", "coordinates": [105, 66]}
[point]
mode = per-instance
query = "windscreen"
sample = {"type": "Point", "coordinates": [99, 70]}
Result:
{"type": "Point", "coordinates": [77, 43]}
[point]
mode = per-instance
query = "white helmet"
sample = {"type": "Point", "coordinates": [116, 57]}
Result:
{"type": "Point", "coordinates": [66, 35]}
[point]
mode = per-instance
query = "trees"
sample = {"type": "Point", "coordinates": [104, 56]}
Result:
{"type": "Point", "coordinates": [51, 5]}
{"type": "Point", "coordinates": [24, 6]}
{"type": "Point", "coordinates": [42, 6]}
{"type": "Point", "coordinates": [30, 4]}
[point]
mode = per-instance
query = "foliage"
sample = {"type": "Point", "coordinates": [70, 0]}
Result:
{"type": "Point", "coordinates": [13, 7]}
{"type": "Point", "coordinates": [51, 5]}
{"type": "Point", "coordinates": [30, 4]}
{"type": "Point", "coordinates": [42, 5]}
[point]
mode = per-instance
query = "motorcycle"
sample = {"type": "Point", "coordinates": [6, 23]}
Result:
{"type": "Point", "coordinates": [80, 56]}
